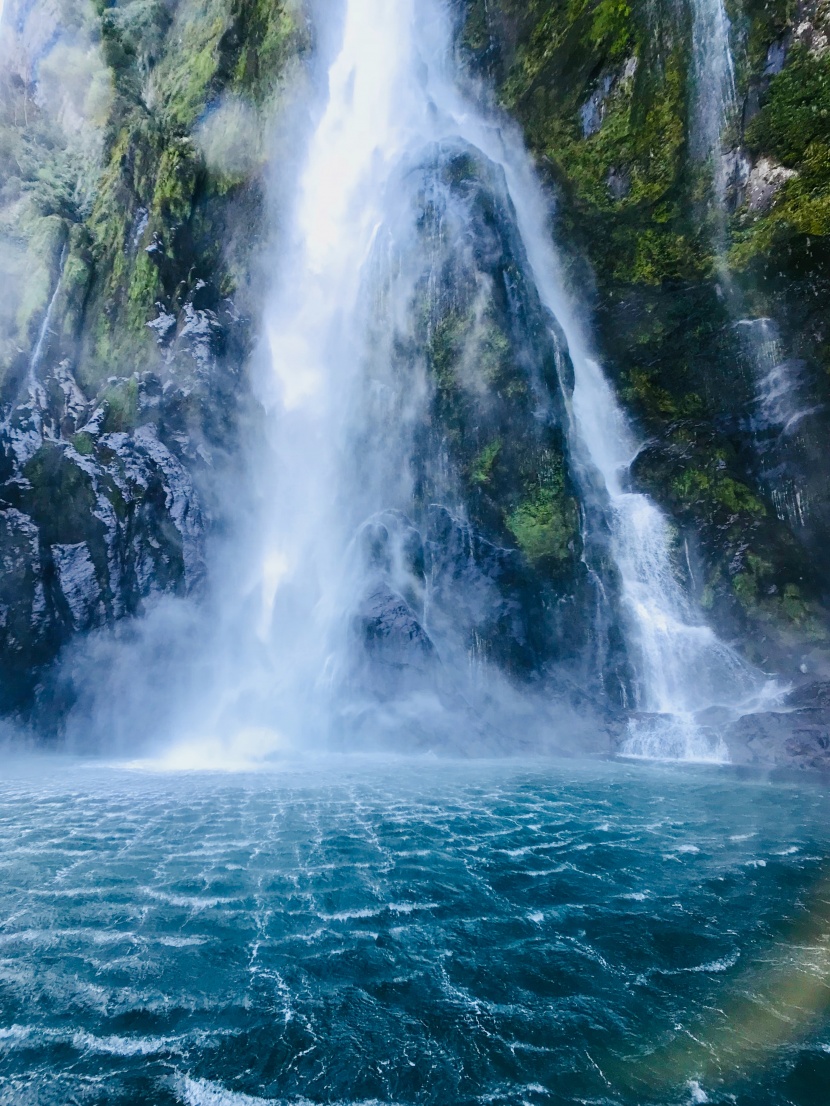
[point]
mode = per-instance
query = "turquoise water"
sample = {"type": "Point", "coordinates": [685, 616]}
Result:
{"type": "Point", "coordinates": [412, 933]}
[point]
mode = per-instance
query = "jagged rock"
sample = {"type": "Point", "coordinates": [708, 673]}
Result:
{"type": "Point", "coordinates": [94, 523]}
{"type": "Point", "coordinates": [618, 182]}
{"type": "Point", "coordinates": [796, 736]}
{"type": "Point", "coordinates": [398, 648]}
{"type": "Point", "coordinates": [765, 180]}
{"type": "Point", "coordinates": [79, 584]}
{"type": "Point", "coordinates": [483, 598]}
{"type": "Point", "coordinates": [198, 336]}
{"type": "Point", "coordinates": [594, 109]}
{"type": "Point", "coordinates": [813, 33]}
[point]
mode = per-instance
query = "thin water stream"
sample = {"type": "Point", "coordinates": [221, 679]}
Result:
{"type": "Point", "coordinates": [779, 403]}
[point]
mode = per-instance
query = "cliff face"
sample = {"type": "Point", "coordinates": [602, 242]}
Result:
{"type": "Point", "coordinates": [703, 257]}
{"type": "Point", "coordinates": [132, 143]}
{"type": "Point", "coordinates": [133, 209]}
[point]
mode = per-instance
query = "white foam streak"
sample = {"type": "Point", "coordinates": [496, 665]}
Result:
{"type": "Point", "coordinates": [204, 1092]}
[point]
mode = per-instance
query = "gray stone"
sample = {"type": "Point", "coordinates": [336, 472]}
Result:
{"type": "Point", "coordinates": [79, 584]}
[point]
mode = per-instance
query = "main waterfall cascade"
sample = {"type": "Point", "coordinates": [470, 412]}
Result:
{"type": "Point", "coordinates": [358, 607]}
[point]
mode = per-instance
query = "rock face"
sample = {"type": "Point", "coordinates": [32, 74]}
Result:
{"type": "Point", "coordinates": [710, 319]}
{"type": "Point", "coordinates": [95, 520]}
{"type": "Point", "coordinates": [128, 224]}
{"type": "Point", "coordinates": [493, 499]}
{"type": "Point", "coordinates": [796, 736]}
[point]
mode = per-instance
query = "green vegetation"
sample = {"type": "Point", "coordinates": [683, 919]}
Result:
{"type": "Point", "coordinates": [121, 401]}
{"type": "Point", "coordinates": [718, 493]}
{"type": "Point", "coordinates": [481, 471]}
{"type": "Point", "coordinates": [796, 112]}
{"type": "Point", "coordinates": [62, 503]}
{"type": "Point", "coordinates": [793, 127]}
{"type": "Point", "coordinates": [144, 178]}
{"type": "Point", "coordinates": [545, 526]}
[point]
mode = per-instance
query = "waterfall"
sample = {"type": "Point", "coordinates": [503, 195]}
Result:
{"type": "Point", "coordinates": [782, 418]}
{"type": "Point", "coordinates": [45, 326]}
{"type": "Point", "coordinates": [715, 99]}
{"type": "Point", "coordinates": [337, 481]}
{"type": "Point", "coordinates": [781, 412]}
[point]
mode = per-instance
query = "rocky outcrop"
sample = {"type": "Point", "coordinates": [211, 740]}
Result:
{"type": "Point", "coordinates": [796, 736]}
{"type": "Point", "coordinates": [764, 181]}
{"type": "Point", "coordinates": [517, 579]}
{"type": "Point", "coordinates": [128, 233]}
{"type": "Point", "coordinates": [95, 520]}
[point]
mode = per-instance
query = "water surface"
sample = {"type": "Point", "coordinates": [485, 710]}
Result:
{"type": "Point", "coordinates": [412, 933]}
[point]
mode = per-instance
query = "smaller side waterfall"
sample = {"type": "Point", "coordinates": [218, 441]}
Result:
{"type": "Point", "coordinates": [682, 666]}
{"type": "Point", "coordinates": [782, 418]}
{"type": "Point", "coordinates": [46, 325]}
{"type": "Point", "coordinates": [24, 421]}
{"type": "Point", "coordinates": [715, 99]}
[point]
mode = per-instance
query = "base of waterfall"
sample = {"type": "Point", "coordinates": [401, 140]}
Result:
{"type": "Point", "coordinates": [359, 931]}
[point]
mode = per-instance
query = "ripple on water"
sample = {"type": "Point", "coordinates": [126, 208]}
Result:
{"type": "Point", "coordinates": [472, 935]}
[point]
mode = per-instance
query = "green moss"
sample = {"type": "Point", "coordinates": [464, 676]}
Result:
{"type": "Point", "coordinates": [762, 598]}
{"type": "Point", "coordinates": [176, 179]}
{"type": "Point", "coordinates": [62, 500]}
{"type": "Point", "coordinates": [720, 492]}
{"type": "Point", "coordinates": [143, 291]}
{"type": "Point", "coordinates": [476, 33]}
{"type": "Point", "coordinates": [84, 444]}
{"type": "Point", "coordinates": [801, 212]}
{"type": "Point", "coordinates": [186, 73]}
{"type": "Point", "coordinates": [45, 242]}
{"type": "Point", "coordinates": [445, 346]}
{"type": "Point", "coordinates": [643, 391]}
{"type": "Point", "coordinates": [796, 112]}
{"type": "Point", "coordinates": [481, 470]}
{"type": "Point", "coordinates": [544, 526]}
{"type": "Point", "coordinates": [767, 21]}
{"type": "Point", "coordinates": [612, 26]}
{"type": "Point", "coordinates": [271, 33]}
{"type": "Point", "coordinates": [663, 256]}
{"type": "Point", "coordinates": [122, 406]}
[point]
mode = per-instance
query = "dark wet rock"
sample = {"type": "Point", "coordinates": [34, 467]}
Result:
{"type": "Point", "coordinates": [484, 599]}
{"type": "Point", "coordinates": [99, 507]}
{"type": "Point", "coordinates": [398, 649]}
{"type": "Point", "coordinates": [618, 182]}
{"type": "Point", "coordinates": [795, 736]}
